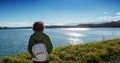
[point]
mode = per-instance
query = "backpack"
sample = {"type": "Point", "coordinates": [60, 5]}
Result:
{"type": "Point", "coordinates": [40, 51]}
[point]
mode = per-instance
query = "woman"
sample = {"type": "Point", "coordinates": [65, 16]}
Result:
{"type": "Point", "coordinates": [38, 35]}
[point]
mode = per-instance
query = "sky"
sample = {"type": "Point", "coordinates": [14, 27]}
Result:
{"type": "Point", "coordinates": [15, 13]}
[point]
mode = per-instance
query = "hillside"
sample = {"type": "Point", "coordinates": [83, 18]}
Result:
{"type": "Point", "coordinates": [94, 52]}
{"type": "Point", "coordinates": [107, 24]}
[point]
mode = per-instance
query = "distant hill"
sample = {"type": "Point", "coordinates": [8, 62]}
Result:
{"type": "Point", "coordinates": [107, 24]}
{"type": "Point", "coordinates": [15, 27]}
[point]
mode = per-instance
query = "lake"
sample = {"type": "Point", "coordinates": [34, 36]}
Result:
{"type": "Point", "coordinates": [15, 41]}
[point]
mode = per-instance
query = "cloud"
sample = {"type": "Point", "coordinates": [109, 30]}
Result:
{"type": "Point", "coordinates": [110, 18]}
{"type": "Point", "coordinates": [18, 24]}
{"type": "Point", "coordinates": [116, 18]}
{"type": "Point", "coordinates": [105, 18]}
{"type": "Point", "coordinates": [48, 24]}
{"type": "Point", "coordinates": [118, 13]}
{"type": "Point", "coordinates": [105, 12]}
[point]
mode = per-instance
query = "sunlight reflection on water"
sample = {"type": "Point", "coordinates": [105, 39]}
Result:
{"type": "Point", "coordinates": [74, 41]}
{"type": "Point", "coordinates": [76, 29]}
{"type": "Point", "coordinates": [73, 34]}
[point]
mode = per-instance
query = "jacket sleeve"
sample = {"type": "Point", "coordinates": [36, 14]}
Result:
{"type": "Point", "coordinates": [48, 44]}
{"type": "Point", "coordinates": [30, 44]}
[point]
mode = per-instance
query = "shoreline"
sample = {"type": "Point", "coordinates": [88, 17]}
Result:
{"type": "Point", "coordinates": [52, 27]}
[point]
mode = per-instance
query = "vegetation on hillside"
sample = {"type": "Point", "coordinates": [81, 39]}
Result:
{"type": "Point", "coordinates": [93, 52]}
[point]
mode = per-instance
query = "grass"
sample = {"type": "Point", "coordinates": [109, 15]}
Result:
{"type": "Point", "coordinates": [93, 52]}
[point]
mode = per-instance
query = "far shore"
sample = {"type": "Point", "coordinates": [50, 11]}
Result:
{"type": "Point", "coordinates": [1, 28]}
{"type": "Point", "coordinates": [112, 24]}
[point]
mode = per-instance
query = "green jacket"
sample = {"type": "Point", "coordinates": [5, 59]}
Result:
{"type": "Point", "coordinates": [38, 36]}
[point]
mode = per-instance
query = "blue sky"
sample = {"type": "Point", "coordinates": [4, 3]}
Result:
{"type": "Point", "coordinates": [59, 12]}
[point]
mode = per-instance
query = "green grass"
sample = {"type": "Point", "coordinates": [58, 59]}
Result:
{"type": "Point", "coordinates": [93, 52]}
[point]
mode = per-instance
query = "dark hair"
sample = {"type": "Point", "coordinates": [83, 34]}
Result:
{"type": "Point", "coordinates": [38, 26]}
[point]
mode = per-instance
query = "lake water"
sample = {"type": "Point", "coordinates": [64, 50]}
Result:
{"type": "Point", "coordinates": [15, 41]}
